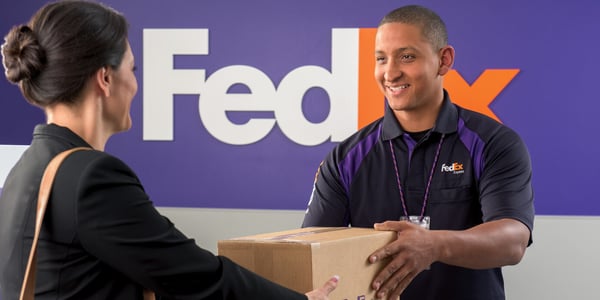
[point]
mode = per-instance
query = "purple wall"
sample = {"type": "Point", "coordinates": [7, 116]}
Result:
{"type": "Point", "coordinates": [552, 98]}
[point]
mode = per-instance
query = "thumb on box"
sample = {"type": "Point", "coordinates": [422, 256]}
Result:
{"type": "Point", "coordinates": [323, 292]}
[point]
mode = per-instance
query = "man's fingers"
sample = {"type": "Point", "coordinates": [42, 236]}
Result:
{"type": "Point", "coordinates": [394, 277]}
{"type": "Point", "coordinates": [392, 225]}
{"type": "Point", "coordinates": [384, 252]}
{"type": "Point", "coordinates": [393, 247]}
{"type": "Point", "coordinates": [395, 286]}
{"type": "Point", "coordinates": [382, 280]}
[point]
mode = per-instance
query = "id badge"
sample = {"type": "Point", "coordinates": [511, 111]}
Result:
{"type": "Point", "coordinates": [417, 220]}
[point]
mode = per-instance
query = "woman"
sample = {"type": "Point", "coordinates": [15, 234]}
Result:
{"type": "Point", "coordinates": [101, 237]}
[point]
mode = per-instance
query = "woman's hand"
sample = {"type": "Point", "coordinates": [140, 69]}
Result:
{"type": "Point", "coordinates": [322, 293]}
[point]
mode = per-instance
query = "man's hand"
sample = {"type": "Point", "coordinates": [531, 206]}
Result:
{"type": "Point", "coordinates": [322, 293]}
{"type": "Point", "coordinates": [412, 252]}
{"type": "Point", "coordinates": [492, 244]}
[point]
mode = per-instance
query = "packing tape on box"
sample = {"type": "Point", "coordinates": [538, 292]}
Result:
{"type": "Point", "coordinates": [304, 233]}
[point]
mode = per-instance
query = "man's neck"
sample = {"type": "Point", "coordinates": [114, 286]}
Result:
{"type": "Point", "coordinates": [417, 121]}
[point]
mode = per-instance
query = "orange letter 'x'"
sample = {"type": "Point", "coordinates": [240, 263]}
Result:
{"type": "Point", "coordinates": [482, 92]}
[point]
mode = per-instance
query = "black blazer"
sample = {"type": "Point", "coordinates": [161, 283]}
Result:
{"type": "Point", "coordinates": [102, 238]}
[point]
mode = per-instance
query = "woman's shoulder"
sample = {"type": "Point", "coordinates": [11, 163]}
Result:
{"type": "Point", "coordinates": [94, 163]}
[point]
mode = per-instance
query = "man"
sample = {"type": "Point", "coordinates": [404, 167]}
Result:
{"type": "Point", "coordinates": [462, 179]}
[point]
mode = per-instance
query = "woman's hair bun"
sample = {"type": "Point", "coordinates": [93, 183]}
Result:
{"type": "Point", "coordinates": [23, 57]}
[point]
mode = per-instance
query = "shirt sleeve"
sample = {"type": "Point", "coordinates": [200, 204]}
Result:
{"type": "Point", "coordinates": [328, 205]}
{"type": "Point", "coordinates": [118, 224]}
{"type": "Point", "coordinates": [505, 185]}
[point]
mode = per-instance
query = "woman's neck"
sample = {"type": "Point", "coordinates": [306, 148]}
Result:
{"type": "Point", "coordinates": [83, 118]}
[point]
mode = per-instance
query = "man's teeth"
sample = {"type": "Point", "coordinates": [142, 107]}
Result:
{"type": "Point", "coordinates": [397, 88]}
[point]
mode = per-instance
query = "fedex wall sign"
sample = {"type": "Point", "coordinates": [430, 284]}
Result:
{"type": "Point", "coordinates": [348, 82]}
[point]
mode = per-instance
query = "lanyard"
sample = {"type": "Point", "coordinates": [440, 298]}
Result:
{"type": "Point", "coordinates": [435, 159]}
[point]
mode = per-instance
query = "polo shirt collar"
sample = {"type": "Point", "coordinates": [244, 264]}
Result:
{"type": "Point", "coordinates": [446, 122]}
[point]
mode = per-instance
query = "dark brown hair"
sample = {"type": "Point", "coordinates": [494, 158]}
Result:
{"type": "Point", "coordinates": [432, 26]}
{"type": "Point", "coordinates": [61, 47]}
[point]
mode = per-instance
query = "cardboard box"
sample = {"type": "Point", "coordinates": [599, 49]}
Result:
{"type": "Point", "coordinates": [304, 259]}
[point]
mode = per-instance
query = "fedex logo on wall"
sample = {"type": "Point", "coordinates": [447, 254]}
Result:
{"type": "Point", "coordinates": [349, 83]}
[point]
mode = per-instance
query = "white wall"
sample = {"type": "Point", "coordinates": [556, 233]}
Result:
{"type": "Point", "coordinates": [562, 262]}
{"type": "Point", "coordinates": [9, 154]}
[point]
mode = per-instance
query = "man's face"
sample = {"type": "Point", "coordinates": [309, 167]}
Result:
{"type": "Point", "coordinates": [407, 68]}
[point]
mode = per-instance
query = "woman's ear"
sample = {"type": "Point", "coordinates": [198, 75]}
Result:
{"type": "Point", "coordinates": [446, 60]}
{"type": "Point", "coordinates": [102, 80]}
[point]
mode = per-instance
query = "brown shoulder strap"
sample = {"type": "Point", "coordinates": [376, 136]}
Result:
{"type": "Point", "coordinates": [28, 288]}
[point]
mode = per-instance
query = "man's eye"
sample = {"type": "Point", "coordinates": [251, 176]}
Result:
{"type": "Point", "coordinates": [407, 57]}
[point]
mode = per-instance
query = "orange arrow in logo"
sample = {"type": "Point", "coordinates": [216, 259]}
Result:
{"type": "Point", "coordinates": [482, 92]}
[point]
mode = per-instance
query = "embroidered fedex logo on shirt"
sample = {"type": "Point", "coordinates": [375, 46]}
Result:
{"type": "Point", "coordinates": [454, 168]}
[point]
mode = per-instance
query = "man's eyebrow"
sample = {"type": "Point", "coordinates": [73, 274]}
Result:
{"type": "Point", "coordinates": [399, 50]}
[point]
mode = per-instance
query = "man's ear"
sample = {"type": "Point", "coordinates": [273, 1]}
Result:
{"type": "Point", "coordinates": [446, 60]}
{"type": "Point", "coordinates": [103, 80]}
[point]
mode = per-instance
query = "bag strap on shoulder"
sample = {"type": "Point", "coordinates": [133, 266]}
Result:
{"type": "Point", "coordinates": [28, 287]}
